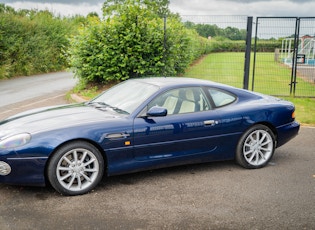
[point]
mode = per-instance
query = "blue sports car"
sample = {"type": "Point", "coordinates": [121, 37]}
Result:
{"type": "Point", "coordinates": [142, 124]}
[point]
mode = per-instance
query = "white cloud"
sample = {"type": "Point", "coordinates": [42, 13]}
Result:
{"type": "Point", "coordinates": [275, 8]}
{"type": "Point", "coordinates": [244, 7]}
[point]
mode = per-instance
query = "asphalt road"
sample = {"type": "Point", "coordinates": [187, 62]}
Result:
{"type": "Point", "coordinates": [218, 195]}
{"type": "Point", "coordinates": [307, 72]}
{"type": "Point", "coordinates": [24, 88]}
{"type": "Point", "coordinates": [23, 93]}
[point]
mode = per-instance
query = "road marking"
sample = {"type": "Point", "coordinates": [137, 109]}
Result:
{"type": "Point", "coordinates": [46, 99]}
{"type": "Point", "coordinates": [30, 104]}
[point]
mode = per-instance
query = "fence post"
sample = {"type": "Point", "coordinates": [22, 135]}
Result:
{"type": "Point", "coordinates": [294, 57]}
{"type": "Point", "coordinates": [255, 50]}
{"type": "Point", "coordinates": [164, 45]}
{"type": "Point", "coordinates": [247, 52]}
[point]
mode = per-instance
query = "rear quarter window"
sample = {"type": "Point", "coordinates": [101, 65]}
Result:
{"type": "Point", "coordinates": [221, 98]}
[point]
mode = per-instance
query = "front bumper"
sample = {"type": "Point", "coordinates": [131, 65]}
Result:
{"type": "Point", "coordinates": [23, 171]}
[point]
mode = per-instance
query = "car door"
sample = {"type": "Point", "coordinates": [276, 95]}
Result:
{"type": "Point", "coordinates": [231, 121]}
{"type": "Point", "coordinates": [188, 133]}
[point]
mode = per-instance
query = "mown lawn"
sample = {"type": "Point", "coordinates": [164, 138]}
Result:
{"type": "Point", "coordinates": [225, 68]}
{"type": "Point", "coordinates": [271, 78]}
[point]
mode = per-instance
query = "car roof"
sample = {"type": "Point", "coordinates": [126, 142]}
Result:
{"type": "Point", "coordinates": [170, 82]}
{"type": "Point", "coordinates": [176, 81]}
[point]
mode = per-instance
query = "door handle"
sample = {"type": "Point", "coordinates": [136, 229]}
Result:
{"type": "Point", "coordinates": [210, 122]}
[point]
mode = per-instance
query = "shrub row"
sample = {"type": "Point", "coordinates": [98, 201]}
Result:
{"type": "Point", "coordinates": [220, 44]}
{"type": "Point", "coordinates": [31, 43]}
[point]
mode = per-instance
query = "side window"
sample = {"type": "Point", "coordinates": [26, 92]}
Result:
{"type": "Point", "coordinates": [168, 100]}
{"type": "Point", "coordinates": [221, 98]}
{"type": "Point", "coordinates": [182, 100]}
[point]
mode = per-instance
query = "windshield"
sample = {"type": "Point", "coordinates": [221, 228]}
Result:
{"type": "Point", "coordinates": [127, 96]}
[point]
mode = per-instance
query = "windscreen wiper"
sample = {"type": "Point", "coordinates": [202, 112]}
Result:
{"type": "Point", "coordinates": [118, 110]}
{"type": "Point", "coordinates": [97, 104]}
{"type": "Point", "coordinates": [102, 105]}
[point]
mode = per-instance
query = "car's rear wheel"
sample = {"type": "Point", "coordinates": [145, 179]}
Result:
{"type": "Point", "coordinates": [255, 147]}
{"type": "Point", "coordinates": [75, 168]}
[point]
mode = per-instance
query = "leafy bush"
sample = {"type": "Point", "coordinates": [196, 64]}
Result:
{"type": "Point", "coordinates": [31, 42]}
{"type": "Point", "coordinates": [132, 43]}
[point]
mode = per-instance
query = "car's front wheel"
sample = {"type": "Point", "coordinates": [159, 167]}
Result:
{"type": "Point", "coordinates": [255, 147]}
{"type": "Point", "coordinates": [75, 168]}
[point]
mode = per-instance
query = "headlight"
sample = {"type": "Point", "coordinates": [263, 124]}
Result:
{"type": "Point", "coordinates": [15, 141]}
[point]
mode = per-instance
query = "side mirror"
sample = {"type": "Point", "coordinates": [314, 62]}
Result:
{"type": "Point", "coordinates": [157, 111]}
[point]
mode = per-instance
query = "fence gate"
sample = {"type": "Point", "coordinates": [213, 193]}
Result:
{"type": "Point", "coordinates": [284, 56]}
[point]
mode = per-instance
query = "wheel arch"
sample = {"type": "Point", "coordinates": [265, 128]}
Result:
{"type": "Point", "coordinates": [271, 127]}
{"type": "Point", "coordinates": [96, 145]}
{"type": "Point", "coordinates": [239, 154]}
{"type": "Point", "coordinates": [267, 124]}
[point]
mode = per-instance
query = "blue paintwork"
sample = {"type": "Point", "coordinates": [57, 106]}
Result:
{"type": "Point", "coordinates": [146, 142]}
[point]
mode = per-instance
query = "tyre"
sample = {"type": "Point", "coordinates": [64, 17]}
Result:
{"type": "Point", "coordinates": [256, 147]}
{"type": "Point", "coordinates": [75, 168]}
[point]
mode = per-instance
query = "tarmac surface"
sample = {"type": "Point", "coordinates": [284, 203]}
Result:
{"type": "Point", "coordinates": [307, 72]}
{"type": "Point", "coordinates": [218, 195]}
{"type": "Point", "coordinates": [29, 88]}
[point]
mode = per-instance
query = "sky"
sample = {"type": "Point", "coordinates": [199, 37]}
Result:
{"type": "Point", "coordinates": [263, 8]}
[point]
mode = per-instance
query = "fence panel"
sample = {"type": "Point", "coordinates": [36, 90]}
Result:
{"type": "Point", "coordinates": [306, 59]}
{"type": "Point", "coordinates": [270, 73]}
{"type": "Point", "coordinates": [282, 56]}
{"type": "Point", "coordinates": [227, 42]}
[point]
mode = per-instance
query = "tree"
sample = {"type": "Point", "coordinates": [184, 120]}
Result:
{"type": "Point", "coordinates": [206, 30]}
{"type": "Point", "coordinates": [234, 33]}
{"type": "Point", "coordinates": [92, 14]}
{"type": "Point", "coordinates": [159, 7]}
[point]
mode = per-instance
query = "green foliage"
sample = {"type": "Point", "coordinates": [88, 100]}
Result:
{"type": "Point", "coordinates": [132, 43]}
{"type": "Point", "coordinates": [207, 30]}
{"type": "Point", "coordinates": [117, 48]}
{"type": "Point", "coordinates": [222, 44]}
{"type": "Point", "coordinates": [270, 45]}
{"type": "Point", "coordinates": [31, 42]}
{"type": "Point", "coordinates": [158, 7]}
